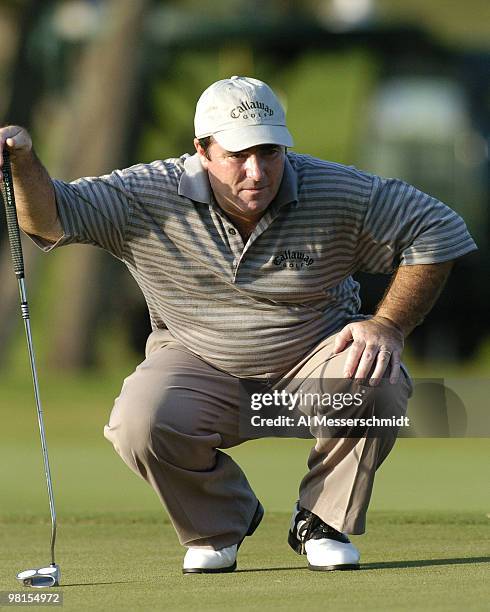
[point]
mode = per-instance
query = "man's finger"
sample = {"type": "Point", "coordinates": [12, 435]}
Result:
{"type": "Point", "coordinates": [353, 357]}
{"type": "Point", "coordinates": [4, 143]}
{"type": "Point", "coordinates": [366, 362]}
{"type": "Point", "coordinates": [342, 340]}
{"type": "Point", "coordinates": [395, 367]}
{"type": "Point", "coordinates": [382, 361]}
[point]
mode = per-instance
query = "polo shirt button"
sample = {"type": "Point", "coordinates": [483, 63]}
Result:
{"type": "Point", "coordinates": [231, 231]}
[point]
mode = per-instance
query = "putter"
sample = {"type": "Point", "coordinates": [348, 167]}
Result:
{"type": "Point", "coordinates": [45, 576]}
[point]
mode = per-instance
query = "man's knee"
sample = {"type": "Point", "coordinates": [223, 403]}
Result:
{"type": "Point", "coordinates": [160, 425]}
{"type": "Point", "coordinates": [129, 427]}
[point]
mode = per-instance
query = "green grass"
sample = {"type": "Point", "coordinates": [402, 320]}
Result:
{"type": "Point", "coordinates": [435, 564]}
{"type": "Point", "coordinates": [426, 546]}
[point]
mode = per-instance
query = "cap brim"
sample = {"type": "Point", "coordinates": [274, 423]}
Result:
{"type": "Point", "coordinates": [253, 135]}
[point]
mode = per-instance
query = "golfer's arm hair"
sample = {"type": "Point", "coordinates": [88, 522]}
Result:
{"type": "Point", "coordinates": [412, 293]}
{"type": "Point", "coordinates": [35, 198]}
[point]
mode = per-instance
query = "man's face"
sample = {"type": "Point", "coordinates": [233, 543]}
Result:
{"type": "Point", "coordinates": [245, 182]}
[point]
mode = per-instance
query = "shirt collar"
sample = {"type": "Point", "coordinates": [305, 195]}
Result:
{"type": "Point", "coordinates": [194, 183]}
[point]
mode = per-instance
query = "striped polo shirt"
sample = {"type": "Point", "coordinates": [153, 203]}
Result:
{"type": "Point", "coordinates": [254, 309]}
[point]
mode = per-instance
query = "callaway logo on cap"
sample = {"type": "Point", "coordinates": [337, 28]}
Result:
{"type": "Point", "coordinates": [241, 112]}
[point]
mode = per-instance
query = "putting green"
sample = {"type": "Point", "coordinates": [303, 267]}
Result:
{"type": "Point", "coordinates": [426, 546]}
{"type": "Point", "coordinates": [435, 563]}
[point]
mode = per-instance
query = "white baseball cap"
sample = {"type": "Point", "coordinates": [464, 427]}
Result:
{"type": "Point", "coordinates": [241, 112]}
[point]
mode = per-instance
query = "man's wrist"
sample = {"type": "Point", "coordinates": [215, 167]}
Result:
{"type": "Point", "coordinates": [389, 321]}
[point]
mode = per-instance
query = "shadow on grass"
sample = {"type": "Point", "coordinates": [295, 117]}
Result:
{"type": "Point", "coordinates": [90, 584]}
{"type": "Point", "coordinates": [385, 564]}
{"type": "Point", "coordinates": [364, 566]}
{"type": "Point", "coordinates": [423, 563]}
{"type": "Point", "coordinates": [269, 569]}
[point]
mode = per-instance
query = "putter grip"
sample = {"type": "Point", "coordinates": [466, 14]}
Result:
{"type": "Point", "coordinates": [11, 214]}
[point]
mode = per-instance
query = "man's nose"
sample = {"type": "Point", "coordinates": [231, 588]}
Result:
{"type": "Point", "coordinates": [254, 167]}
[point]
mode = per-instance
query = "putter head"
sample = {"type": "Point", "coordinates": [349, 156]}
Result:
{"type": "Point", "coordinates": [41, 578]}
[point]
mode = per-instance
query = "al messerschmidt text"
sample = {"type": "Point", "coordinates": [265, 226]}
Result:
{"type": "Point", "coordinates": [324, 421]}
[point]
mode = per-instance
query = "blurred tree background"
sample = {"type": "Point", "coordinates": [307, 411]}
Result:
{"type": "Point", "coordinates": [394, 87]}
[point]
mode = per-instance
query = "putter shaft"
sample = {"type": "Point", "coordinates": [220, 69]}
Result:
{"type": "Point", "coordinates": [40, 419]}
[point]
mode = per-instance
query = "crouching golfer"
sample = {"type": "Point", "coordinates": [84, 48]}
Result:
{"type": "Point", "coordinates": [245, 252]}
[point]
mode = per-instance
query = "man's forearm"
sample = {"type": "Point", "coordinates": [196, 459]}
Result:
{"type": "Point", "coordinates": [34, 196]}
{"type": "Point", "coordinates": [34, 192]}
{"type": "Point", "coordinates": [412, 293]}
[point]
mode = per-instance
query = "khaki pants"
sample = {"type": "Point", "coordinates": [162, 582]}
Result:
{"type": "Point", "coordinates": [176, 412]}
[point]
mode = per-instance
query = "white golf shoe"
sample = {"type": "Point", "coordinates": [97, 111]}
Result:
{"type": "Point", "coordinates": [325, 547]}
{"type": "Point", "coordinates": [208, 561]}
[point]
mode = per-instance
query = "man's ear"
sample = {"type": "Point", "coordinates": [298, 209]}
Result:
{"type": "Point", "coordinates": [202, 154]}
